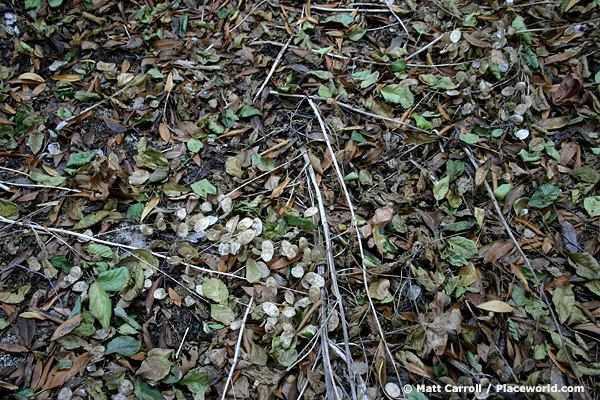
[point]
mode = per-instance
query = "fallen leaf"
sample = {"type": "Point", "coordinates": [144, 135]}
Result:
{"type": "Point", "coordinates": [496, 306]}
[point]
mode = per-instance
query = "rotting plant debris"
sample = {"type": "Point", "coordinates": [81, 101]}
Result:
{"type": "Point", "coordinates": [285, 200]}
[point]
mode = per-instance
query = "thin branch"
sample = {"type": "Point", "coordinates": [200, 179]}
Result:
{"type": "Point", "coordinates": [434, 41]}
{"type": "Point", "coordinates": [332, 272]}
{"type": "Point", "coordinates": [237, 349]}
{"type": "Point", "coordinates": [28, 185]}
{"type": "Point", "coordinates": [273, 67]}
{"type": "Point", "coordinates": [107, 243]}
{"type": "Point", "coordinates": [358, 235]}
{"type": "Point", "coordinates": [351, 108]}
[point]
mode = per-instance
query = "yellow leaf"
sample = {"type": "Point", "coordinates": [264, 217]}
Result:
{"type": "Point", "coordinates": [33, 315]}
{"type": "Point", "coordinates": [30, 76]}
{"type": "Point", "coordinates": [496, 306]}
{"type": "Point", "coordinates": [163, 129]}
{"type": "Point", "coordinates": [151, 204]}
{"type": "Point", "coordinates": [67, 77]}
{"type": "Point", "coordinates": [169, 84]}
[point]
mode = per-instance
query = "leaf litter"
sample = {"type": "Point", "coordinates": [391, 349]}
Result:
{"type": "Point", "coordinates": [282, 200]}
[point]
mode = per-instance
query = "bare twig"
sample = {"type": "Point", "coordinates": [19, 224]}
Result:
{"type": "Point", "coordinates": [349, 107]}
{"type": "Point", "coordinates": [332, 271]}
{"type": "Point", "coordinates": [90, 108]}
{"type": "Point", "coordinates": [273, 67]}
{"type": "Point", "coordinates": [247, 15]}
{"type": "Point", "coordinates": [434, 41]}
{"type": "Point", "coordinates": [28, 185]}
{"type": "Point", "coordinates": [107, 243]}
{"type": "Point", "coordinates": [237, 349]}
{"type": "Point", "coordinates": [397, 18]}
{"type": "Point", "coordinates": [355, 228]}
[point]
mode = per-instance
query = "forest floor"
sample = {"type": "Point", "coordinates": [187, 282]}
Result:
{"type": "Point", "coordinates": [283, 200]}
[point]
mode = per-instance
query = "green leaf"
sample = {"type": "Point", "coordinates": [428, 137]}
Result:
{"type": "Point", "coordinates": [263, 163]}
{"type": "Point", "coordinates": [55, 3]}
{"type": "Point", "coordinates": [519, 25]}
{"type": "Point", "coordinates": [248, 111]}
{"type": "Point", "coordinates": [592, 205]}
{"type": "Point", "coordinates": [324, 91]}
{"type": "Point", "coordinates": [215, 290]}
{"type": "Point", "coordinates": [299, 222]}
{"type": "Point", "coordinates": [325, 75]}
{"type": "Point", "coordinates": [351, 176]}
{"type": "Point", "coordinates": [253, 271]}
{"type": "Point", "coordinates": [445, 84]}
{"type": "Point", "coordinates": [586, 175]}
{"type": "Point", "coordinates": [194, 145]}
{"type": "Point", "coordinates": [564, 301]}
{"type": "Point", "coordinates": [440, 189]}
{"type": "Point", "coordinates": [86, 97]}
{"type": "Point", "coordinates": [154, 368]}
{"type": "Point", "coordinates": [183, 22]}
{"type": "Point", "coordinates": [429, 80]}
{"type": "Point", "coordinates": [123, 345]}
{"type": "Point", "coordinates": [531, 59]}
{"type": "Point", "coordinates": [113, 280]}
{"type": "Point", "coordinates": [9, 210]}
{"type": "Point", "coordinates": [469, 138]}
{"type": "Point", "coordinates": [155, 73]}
{"type": "Point", "coordinates": [91, 220]}
{"type": "Point", "coordinates": [100, 305]}
{"type": "Point", "coordinates": [398, 66]}
{"type": "Point", "coordinates": [544, 196]}
{"type": "Point", "coordinates": [3, 323]}
{"type": "Point", "coordinates": [398, 94]}
{"type": "Point", "coordinates": [461, 249]}
{"type": "Point", "coordinates": [60, 261]}
{"type": "Point", "coordinates": [143, 391]}
{"type": "Point", "coordinates": [532, 157]}
{"type": "Point", "coordinates": [79, 159]}
{"type": "Point", "coordinates": [203, 188]}
{"type": "Point", "coordinates": [222, 313]}
{"type": "Point", "coordinates": [501, 191]}
{"type": "Point", "coordinates": [344, 19]}
{"type": "Point", "coordinates": [356, 33]}
{"type": "Point", "coordinates": [585, 265]}
{"type": "Point", "coordinates": [134, 212]}
{"type": "Point", "coordinates": [357, 137]}
{"type": "Point", "coordinates": [100, 249]}
{"type": "Point", "coordinates": [370, 80]}
{"type": "Point", "coordinates": [30, 4]}
{"type": "Point", "coordinates": [422, 123]}
{"type": "Point", "coordinates": [196, 381]}
{"type": "Point", "coordinates": [597, 76]}
{"type": "Point", "coordinates": [46, 179]}
{"type": "Point", "coordinates": [361, 75]}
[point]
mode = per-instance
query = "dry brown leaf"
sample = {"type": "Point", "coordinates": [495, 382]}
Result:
{"type": "Point", "coordinates": [57, 378]}
{"type": "Point", "coordinates": [496, 306]}
{"type": "Point", "coordinates": [175, 297]}
{"type": "Point", "coordinates": [169, 84]}
{"type": "Point", "coordinates": [149, 207]}
{"type": "Point", "coordinates": [31, 77]}
{"type": "Point", "coordinates": [569, 92]}
{"type": "Point", "coordinates": [475, 41]}
{"type": "Point", "coordinates": [165, 134]}
{"type": "Point", "coordinates": [279, 189]}
{"type": "Point", "coordinates": [66, 327]}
